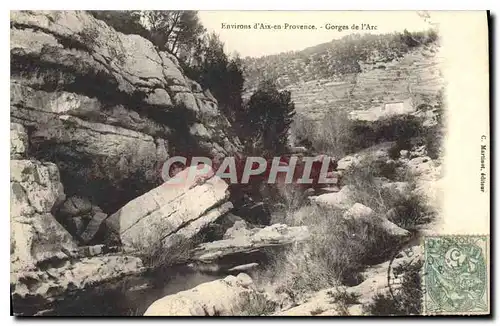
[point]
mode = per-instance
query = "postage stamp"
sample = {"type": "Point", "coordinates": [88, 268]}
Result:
{"type": "Point", "coordinates": [456, 275]}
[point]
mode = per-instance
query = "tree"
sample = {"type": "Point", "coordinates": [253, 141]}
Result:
{"type": "Point", "coordinates": [214, 70]}
{"type": "Point", "coordinates": [177, 32]}
{"type": "Point", "coordinates": [269, 114]}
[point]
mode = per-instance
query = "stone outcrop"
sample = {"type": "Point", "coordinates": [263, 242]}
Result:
{"type": "Point", "coordinates": [35, 234]}
{"type": "Point", "coordinates": [105, 106]}
{"type": "Point", "coordinates": [42, 291]}
{"type": "Point", "coordinates": [46, 264]}
{"type": "Point", "coordinates": [180, 209]}
{"type": "Point", "coordinates": [241, 245]}
{"type": "Point", "coordinates": [231, 296]}
{"type": "Point", "coordinates": [342, 199]}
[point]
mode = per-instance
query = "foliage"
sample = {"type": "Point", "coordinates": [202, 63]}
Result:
{"type": "Point", "coordinates": [331, 136]}
{"type": "Point", "coordinates": [336, 252]}
{"type": "Point", "coordinates": [268, 115]}
{"type": "Point", "coordinates": [175, 31]}
{"type": "Point", "coordinates": [178, 32]}
{"type": "Point", "coordinates": [406, 301]}
{"type": "Point", "coordinates": [151, 248]}
{"type": "Point", "coordinates": [257, 304]}
{"type": "Point", "coordinates": [223, 75]}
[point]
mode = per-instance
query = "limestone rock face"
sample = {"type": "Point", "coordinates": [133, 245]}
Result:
{"type": "Point", "coordinates": [227, 297]}
{"type": "Point", "coordinates": [35, 234]}
{"type": "Point", "coordinates": [169, 209]}
{"type": "Point", "coordinates": [105, 106]}
{"type": "Point", "coordinates": [18, 141]}
{"type": "Point", "coordinates": [45, 261]}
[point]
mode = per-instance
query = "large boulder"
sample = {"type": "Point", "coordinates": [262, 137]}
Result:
{"type": "Point", "coordinates": [172, 208]}
{"type": "Point", "coordinates": [231, 296]}
{"type": "Point", "coordinates": [242, 245]}
{"type": "Point", "coordinates": [338, 200]}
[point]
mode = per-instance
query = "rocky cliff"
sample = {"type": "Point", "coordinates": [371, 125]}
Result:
{"type": "Point", "coordinates": [94, 115]}
{"type": "Point", "coordinates": [105, 107]}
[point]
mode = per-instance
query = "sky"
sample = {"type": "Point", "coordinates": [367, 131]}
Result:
{"type": "Point", "coordinates": [259, 42]}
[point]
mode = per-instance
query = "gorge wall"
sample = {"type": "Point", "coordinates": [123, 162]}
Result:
{"type": "Point", "coordinates": [107, 108]}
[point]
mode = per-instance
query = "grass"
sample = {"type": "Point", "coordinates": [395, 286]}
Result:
{"type": "Point", "coordinates": [335, 254]}
{"type": "Point", "coordinates": [155, 254]}
{"type": "Point", "coordinates": [407, 211]}
{"type": "Point", "coordinates": [331, 136]}
{"type": "Point", "coordinates": [258, 305]}
{"type": "Point", "coordinates": [339, 248]}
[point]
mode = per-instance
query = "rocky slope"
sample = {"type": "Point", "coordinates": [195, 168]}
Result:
{"type": "Point", "coordinates": [107, 108]}
{"type": "Point", "coordinates": [413, 76]}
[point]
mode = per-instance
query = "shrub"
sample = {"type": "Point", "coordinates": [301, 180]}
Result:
{"type": "Point", "coordinates": [151, 248]}
{"type": "Point", "coordinates": [342, 299]}
{"type": "Point", "coordinates": [268, 114]}
{"type": "Point", "coordinates": [336, 252]}
{"type": "Point", "coordinates": [411, 212]}
{"type": "Point", "coordinates": [408, 212]}
{"type": "Point", "coordinates": [407, 301]}
{"type": "Point", "coordinates": [330, 136]}
{"type": "Point", "coordinates": [258, 305]}
{"type": "Point", "coordinates": [89, 37]}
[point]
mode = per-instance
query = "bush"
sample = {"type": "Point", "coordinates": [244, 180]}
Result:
{"type": "Point", "coordinates": [340, 56]}
{"type": "Point", "coordinates": [407, 301]}
{"type": "Point", "coordinates": [268, 115]}
{"type": "Point", "coordinates": [408, 212]}
{"type": "Point", "coordinates": [335, 254]}
{"type": "Point", "coordinates": [342, 299]}
{"type": "Point", "coordinates": [411, 212]}
{"type": "Point", "coordinates": [330, 136]}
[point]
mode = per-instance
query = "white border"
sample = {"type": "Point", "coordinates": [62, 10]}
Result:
{"type": "Point", "coordinates": [198, 5]}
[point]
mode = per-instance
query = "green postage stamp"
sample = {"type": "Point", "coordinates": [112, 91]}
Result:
{"type": "Point", "coordinates": [456, 279]}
